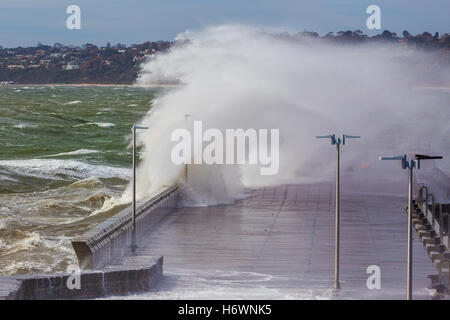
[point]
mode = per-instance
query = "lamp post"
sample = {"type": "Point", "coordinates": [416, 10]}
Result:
{"type": "Point", "coordinates": [133, 216]}
{"type": "Point", "coordinates": [337, 142]}
{"type": "Point", "coordinates": [410, 164]}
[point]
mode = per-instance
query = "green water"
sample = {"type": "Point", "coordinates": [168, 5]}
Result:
{"type": "Point", "coordinates": [65, 150]}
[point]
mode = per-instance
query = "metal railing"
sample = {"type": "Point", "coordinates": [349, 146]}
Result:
{"type": "Point", "coordinates": [436, 213]}
{"type": "Point", "coordinates": [440, 228]}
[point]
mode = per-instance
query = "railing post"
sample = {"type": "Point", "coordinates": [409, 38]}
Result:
{"type": "Point", "coordinates": [433, 210]}
{"type": "Point", "coordinates": [441, 223]}
{"type": "Point", "coordinates": [448, 242]}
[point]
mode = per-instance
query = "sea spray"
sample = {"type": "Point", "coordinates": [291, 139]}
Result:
{"type": "Point", "coordinates": [240, 77]}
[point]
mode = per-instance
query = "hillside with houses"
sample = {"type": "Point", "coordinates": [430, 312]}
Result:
{"type": "Point", "coordinates": [70, 64]}
{"type": "Point", "coordinates": [119, 64]}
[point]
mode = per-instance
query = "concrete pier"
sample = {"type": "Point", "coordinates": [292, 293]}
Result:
{"type": "Point", "coordinates": [276, 243]}
{"type": "Point", "coordinates": [284, 236]}
{"type": "Point", "coordinates": [125, 275]}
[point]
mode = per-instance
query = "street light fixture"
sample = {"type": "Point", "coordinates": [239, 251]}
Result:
{"type": "Point", "coordinates": [413, 161]}
{"type": "Point", "coordinates": [337, 142]}
{"type": "Point", "coordinates": [133, 216]}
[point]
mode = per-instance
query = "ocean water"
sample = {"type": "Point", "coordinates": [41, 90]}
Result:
{"type": "Point", "coordinates": [64, 151]}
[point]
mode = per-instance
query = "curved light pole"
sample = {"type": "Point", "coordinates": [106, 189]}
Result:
{"type": "Point", "coordinates": [133, 216]}
{"type": "Point", "coordinates": [410, 164]}
{"type": "Point", "coordinates": [337, 142]}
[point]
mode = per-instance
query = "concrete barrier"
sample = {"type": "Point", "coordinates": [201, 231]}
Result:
{"type": "Point", "coordinates": [126, 276]}
{"type": "Point", "coordinates": [112, 238]}
{"type": "Point", "coordinates": [103, 253]}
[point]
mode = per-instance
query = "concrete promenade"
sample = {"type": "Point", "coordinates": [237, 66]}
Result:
{"type": "Point", "coordinates": [279, 243]}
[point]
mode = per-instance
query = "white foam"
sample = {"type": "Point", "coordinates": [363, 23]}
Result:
{"type": "Point", "coordinates": [218, 284]}
{"type": "Point", "coordinates": [54, 168]}
{"type": "Point", "coordinates": [57, 250]}
{"type": "Point", "coordinates": [98, 124]}
{"type": "Point", "coordinates": [238, 77]}
{"type": "Point", "coordinates": [104, 124]}
{"type": "Point", "coordinates": [76, 152]}
{"type": "Point", "coordinates": [31, 240]}
{"type": "Point", "coordinates": [3, 223]}
{"type": "Point", "coordinates": [74, 102]}
{"type": "Point", "coordinates": [24, 125]}
{"type": "Point", "coordinates": [112, 203]}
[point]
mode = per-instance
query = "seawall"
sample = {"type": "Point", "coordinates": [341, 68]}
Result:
{"type": "Point", "coordinates": [107, 265]}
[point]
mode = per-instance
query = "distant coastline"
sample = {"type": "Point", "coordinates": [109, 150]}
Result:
{"type": "Point", "coordinates": [90, 85]}
{"type": "Point", "coordinates": [120, 64]}
{"type": "Point", "coordinates": [155, 85]}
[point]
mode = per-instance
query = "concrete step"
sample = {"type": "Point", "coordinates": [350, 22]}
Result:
{"type": "Point", "coordinates": [436, 279]}
{"type": "Point", "coordinates": [418, 215]}
{"type": "Point", "coordinates": [435, 256]}
{"type": "Point", "coordinates": [423, 227]}
{"type": "Point", "coordinates": [440, 283]}
{"type": "Point", "coordinates": [419, 221]}
{"type": "Point", "coordinates": [440, 288]}
{"type": "Point", "coordinates": [437, 248]}
{"type": "Point", "coordinates": [440, 264]}
{"type": "Point", "coordinates": [434, 240]}
{"type": "Point", "coordinates": [427, 234]}
{"type": "Point", "coordinates": [444, 271]}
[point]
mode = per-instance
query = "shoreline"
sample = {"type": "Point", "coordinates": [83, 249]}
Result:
{"type": "Point", "coordinates": [148, 85]}
{"type": "Point", "coordinates": [88, 85]}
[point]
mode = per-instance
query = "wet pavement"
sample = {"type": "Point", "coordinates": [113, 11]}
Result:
{"type": "Point", "coordinates": [278, 243]}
